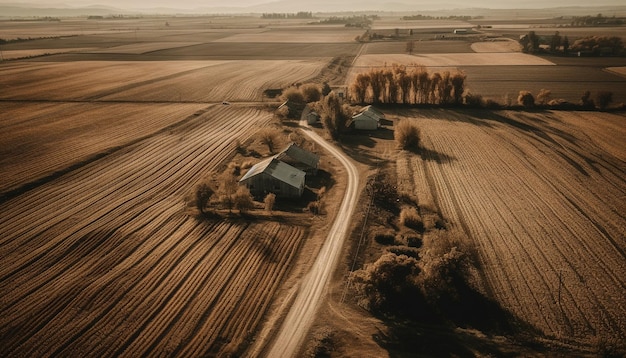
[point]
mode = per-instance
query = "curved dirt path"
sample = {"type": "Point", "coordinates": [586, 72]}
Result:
{"type": "Point", "coordinates": [307, 302]}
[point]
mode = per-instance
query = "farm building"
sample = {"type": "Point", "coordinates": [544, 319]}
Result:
{"type": "Point", "coordinates": [273, 176]}
{"type": "Point", "coordinates": [312, 117]}
{"type": "Point", "coordinates": [460, 31]}
{"type": "Point", "coordinates": [368, 119]}
{"type": "Point", "coordinates": [299, 158]}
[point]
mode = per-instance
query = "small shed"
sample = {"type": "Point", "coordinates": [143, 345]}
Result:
{"type": "Point", "coordinates": [299, 158]}
{"type": "Point", "coordinates": [312, 117]}
{"type": "Point", "coordinates": [460, 31]}
{"type": "Point", "coordinates": [273, 176]}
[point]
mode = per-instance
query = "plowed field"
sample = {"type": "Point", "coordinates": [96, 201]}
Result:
{"type": "Point", "coordinates": [103, 261]}
{"type": "Point", "coordinates": [542, 196]}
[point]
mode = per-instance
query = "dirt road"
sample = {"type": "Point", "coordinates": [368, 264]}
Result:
{"type": "Point", "coordinates": [307, 301]}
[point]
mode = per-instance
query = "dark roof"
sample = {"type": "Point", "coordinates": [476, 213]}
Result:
{"type": "Point", "coordinates": [300, 155]}
{"type": "Point", "coordinates": [278, 170]}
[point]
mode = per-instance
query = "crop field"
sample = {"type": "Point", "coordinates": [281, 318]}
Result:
{"type": "Point", "coordinates": [496, 69]}
{"type": "Point", "coordinates": [542, 197]}
{"type": "Point", "coordinates": [104, 260]}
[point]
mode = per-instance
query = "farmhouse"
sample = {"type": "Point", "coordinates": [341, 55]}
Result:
{"type": "Point", "coordinates": [273, 176]}
{"type": "Point", "coordinates": [299, 158]}
{"type": "Point", "coordinates": [368, 119]}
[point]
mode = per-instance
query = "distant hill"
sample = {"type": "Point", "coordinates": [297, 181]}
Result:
{"type": "Point", "coordinates": [455, 7]}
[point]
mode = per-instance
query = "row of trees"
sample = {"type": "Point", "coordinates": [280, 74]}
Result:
{"type": "Point", "coordinates": [594, 45]}
{"type": "Point", "coordinates": [298, 15]}
{"type": "Point", "coordinates": [414, 85]}
{"type": "Point", "coordinates": [597, 20]}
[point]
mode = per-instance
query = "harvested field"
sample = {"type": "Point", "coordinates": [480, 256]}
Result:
{"type": "Point", "coordinates": [497, 45]}
{"type": "Point", "coordinates": [43, 138]}
{"type": "Point", "coordinates": [104, 261]}
{"type": "Point", "coordinates": [151, 81]}
{"type": "Point", "coordinates": [262, 50]}
{"type": "Point", "coordinates": [454, 60]}
{"type": "Point", "coordinates": [298, 34]}
{"type": "Point", "coordinates": [139, 49]}
{"type": "Point", "coordinates": [542, 197]}
{"type": "Point", "coordinates": [420, 47]}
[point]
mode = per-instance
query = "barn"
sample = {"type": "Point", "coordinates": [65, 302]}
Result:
{"type": "Point", "coordinates": [368, 119]}
{"type": "Point", "coordinates": [299, 158]}
{"type": "Point", "coordinates": [273, 176]}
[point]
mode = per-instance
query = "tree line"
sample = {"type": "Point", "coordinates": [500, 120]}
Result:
{"type": "Point", "coordinates": [298, 15]}
{"type": "Point", "coordinates": [412, 85]}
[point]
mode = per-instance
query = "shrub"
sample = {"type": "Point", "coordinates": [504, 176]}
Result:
{"type": "Point", "coordinates": [243, 199]}
{"type": "Point", "coordinates": [409, 217]}
{"type": "Point", "coordinates": [389, 284]}
{"type": "Point", "coordinates": [526, 99]}
{"type": "Point", "coordinates": [407, 135]}
{"type": "Point", "coordinates": [269, 202]}
{"type": "Point", "coordinates": [385, 237]}
{"type": "Point", "coordinates": [586, 100]}
{"type": "Point", "coordinates": [314, 207]}
{"type": "Point", "coordinates": [269, 137]}
{"type": "Point", "coordinates": [203, 195]}
{"type": "Point", "coordinates": [310, 92]}
{"type": "Point", "coordinates": [544, 96]}
{"type": "Point", "coordinates": [474, 100]}
{"type": "Point", "coordinates": [603, 99]}
{"type": "Point", "coordinates": [405, 250]}
{"type": "Point", "coordinates": [292, 94]}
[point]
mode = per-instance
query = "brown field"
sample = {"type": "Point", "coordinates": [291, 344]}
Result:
{"type": "Point", "coordinates": [102, 144]}
{"type": "Point", "coordinates": [542, 196]}
{"type": "Point", "coordinates": [105, 261]}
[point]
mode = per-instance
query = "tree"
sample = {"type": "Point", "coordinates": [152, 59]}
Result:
{"type": "Point", "coordinates": [269, 137]}
{"type": "Point", "coordinates": [292, 94]}
{"type": "Point", "coordinates": [243, 199]}
{"type": "Point", "coordinates": [226, 190]}
{"type": "Point", "coordinates": [566, 45]}
{"type": "Point", "coordinates": [458, 84]}
{"type": "Point", "coordinates": [407, 135]}
{"type": "Point", "coordinates": [326, 89]}
{"type": "Point", "coordinates": [310, 92]}
{"type": "Point", "coordinates": [603, 99]}
{"type": "Point", "coordinates": [203, 195]}
{"type": "Point", "coordinates": [544, 96]}
{"type": "Point", "coordinates": [526, 99]}
{"type": "Point", "coordinates": [586, 100]}
{"type": "Point", "coordinates": [269, 201]}
{"type": "Point", "coordinates": [410, 46]}
{"type": "Point", "coordinates": [555, 43]}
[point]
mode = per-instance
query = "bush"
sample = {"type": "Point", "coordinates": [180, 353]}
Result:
{"type": "Point", "coordinates": [544, 96]}
{"type": "Point", "coordinates": [409, 217]}
{"type": "Point", "coordinates": [203, 194]}
{"type": "Point", "coordinates": [603, 99]}
{"type": "Point", "coordinates": [407, 135]}
{"type": "Point", "coordinates": [386, 237]}
{"type": "Point", "coordinates": [389, 284]}
{"type": "Point", "coordinates": [292, 94]}
{"type": "Point", "coordinates": [310, 92]}
{"type": "Point", "coordinates": [243, 199]}
{"type": "Point", "coordinates": [269, 202]}
{"type": "Point", "coordinates": [269, 137]}
{"type": "Point", "coordinates": [526, 99]}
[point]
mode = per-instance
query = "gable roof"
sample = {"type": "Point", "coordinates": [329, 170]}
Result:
{"type": "Point", "coordinates": [300, 155]}
{"type": "Point", "coordinates": [278, 170]}
{"type": "Point", "coordinates": [373, 110]}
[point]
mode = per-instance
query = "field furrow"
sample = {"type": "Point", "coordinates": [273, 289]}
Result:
{"type": "Point", "coordinates": [103, 260]}
{"type": "Point", "coordinates": [542, 204]}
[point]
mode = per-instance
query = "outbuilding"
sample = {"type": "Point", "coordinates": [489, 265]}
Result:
{"type": "Point", "coordinates": [274, 176]}
{"type": "Point", "coordinates": [299, 158]}
{"type": "Point", "coordinates": [368, 119]}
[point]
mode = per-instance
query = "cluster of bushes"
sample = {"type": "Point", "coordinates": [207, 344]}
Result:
{"type": "Point", "coordinates": [599, 45]}
{"type": "Point", "coordinates": [590, 45]}
{"type": "Point", "coordinates": [417, 283]}
{"type": "Point", "coordinates": [334, 114]}
{"type": "Point", "coordinates": [597, 20]}
{"type": "Point", "coordinates": [429, 17]}
{"type": "Point", "coordinates": [414, 85]}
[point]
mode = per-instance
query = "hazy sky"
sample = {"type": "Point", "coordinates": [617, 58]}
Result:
{"type": "Point", "coordinates": [191, 4]}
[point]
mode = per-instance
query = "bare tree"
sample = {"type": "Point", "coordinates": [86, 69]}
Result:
{"type": "Point", "coordinates": [203, 194]}
{"type": "Point", "coordinates": [269, 137]}
{"type": "Point", "coordinates": [243, 199]}
{"type": "Point", "coordinates": [543, 97]}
